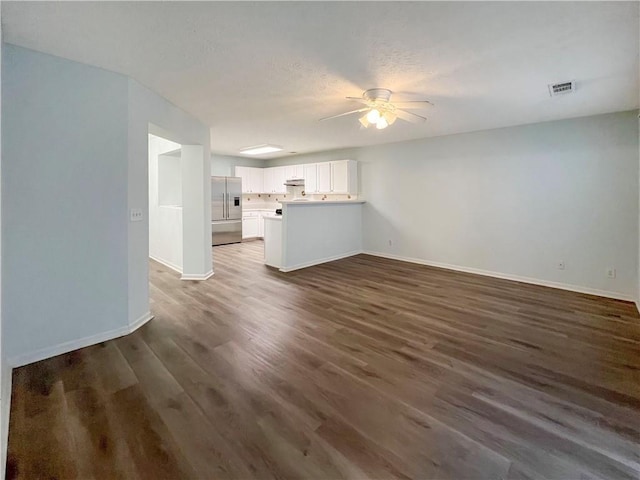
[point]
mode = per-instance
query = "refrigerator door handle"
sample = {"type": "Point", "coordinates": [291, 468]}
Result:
{"type": "Point", "coordinates": [224, 206]}
{"type": "Point", "coordinates": [226, 202]}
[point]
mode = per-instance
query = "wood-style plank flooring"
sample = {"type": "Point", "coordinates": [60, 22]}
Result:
{"type": "Point", "coordinates": [360, 368]}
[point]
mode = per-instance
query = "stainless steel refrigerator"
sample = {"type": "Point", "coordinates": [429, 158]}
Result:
{"type": "Point", "coordinates": [226, 210]}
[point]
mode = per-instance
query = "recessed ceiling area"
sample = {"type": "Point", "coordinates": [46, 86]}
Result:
{"type": "Point", "coordinates": [266, 73]}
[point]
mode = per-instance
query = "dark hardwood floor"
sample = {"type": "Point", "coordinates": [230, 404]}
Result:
{"type": "Point", "coordinates": [360, 368]}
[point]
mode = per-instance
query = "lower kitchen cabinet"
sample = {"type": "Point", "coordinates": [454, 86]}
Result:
{"type": "Point", "coordinates": [253, 223]}
{"type": "Point", "coordinates": [249, 226]}
{"type": "Point", "coordinates": [261, 225]}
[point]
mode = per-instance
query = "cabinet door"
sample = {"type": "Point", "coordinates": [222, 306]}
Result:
{"type": "Point", "coordinates": [289, 172]}
{"type": "Point", "coordinates": [249, 227]}
{"type": "Point", "coordinates": [256, 180]}
{"type": "Point", "coordinates": [310, 176]}
{"type": "Point", "coordinates": [279, 177]}
{"type": "Point", "coordinates": [268, 180]}
{"type": "Point", "coordinates": [324, 177]}
{"type": "Point", "coordinates": [340, 176]}
{"type": "Point", "coordinates": [243, 173]}
{"type": "Point", "coordinates": [261, 225]}
{"type": "Point", "coordinates": [298, 171]}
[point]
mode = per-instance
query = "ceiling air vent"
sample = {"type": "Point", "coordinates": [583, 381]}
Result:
{"type": "Point", "coordinates": [561, 88]}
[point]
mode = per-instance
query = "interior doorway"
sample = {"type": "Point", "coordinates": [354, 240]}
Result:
{"type": "Point", "coordinates": [165, 203]}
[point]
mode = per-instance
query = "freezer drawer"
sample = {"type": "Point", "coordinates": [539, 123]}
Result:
{"type": "Point", "coordinates": [226, 231]}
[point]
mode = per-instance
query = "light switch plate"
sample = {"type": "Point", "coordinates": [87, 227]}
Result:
{"type": "Point", "coordinates": [136, 215]}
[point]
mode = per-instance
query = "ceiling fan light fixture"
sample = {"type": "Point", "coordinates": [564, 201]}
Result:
{"type": "Point", "coordinates": [390, 117]}
{"type": "Point", "coordinates": [378, 109]}
{"type": "Point", "coordinates": [382, 123]}
{"type": "Point", "coordinates": [373, 116]}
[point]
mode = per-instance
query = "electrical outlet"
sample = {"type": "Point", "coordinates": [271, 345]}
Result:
{"type": "Point", "coordinates": [611, 272]}
{"type": "Point", "coordinates": [135, 215]}
{"type": "Point", "coordinates": [560, 265]}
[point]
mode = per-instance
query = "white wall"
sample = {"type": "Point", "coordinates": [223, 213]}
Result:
{"type": "Point", "coordinates": [64, 201]}
{"type": "Point", "coordinates": [169, 180]}
{"type": "Point", "coordinates": [5, 369]}
{"type": "Point", "coordinates": [196, 212]}
{"type": "Point", "coordinates": [75, 161]}
{"type": "Point", "coordinates": [150, 113]}
{"type": "Point", "coordinates": [224, 165]}
{"type": "Point", "coordinates": [165, 222]}
{"type": "Point", "coordinates": [512, 202]}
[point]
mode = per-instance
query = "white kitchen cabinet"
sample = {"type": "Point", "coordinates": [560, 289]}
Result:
{"type": "Point", "coordinates": [256, 180]}
{"type": "Point", "coordinates": [279, 177]}
{"type": "Point", "coordinates": [281, 181]}
{"type": "Point", "coordinates": [294, 171]}
{"type": "Point", "coordinates": [324, 177]}
{"type": "Point", "coordinates": [249, 226]}
{"type": "Point", "coordinates": [337, 177]}
{"type": "Point", "coordinates": [290, 172]}
{"type": "Point", "coordinates": [261, 225]}
{"type": "Point", "coordinates": [268, 180]}
{"type": "Point", "coordinates": [252, 179]}
{"type": "Point", "coordinates": [344, 177]}
{"type": "Point", "coordinates": [243, 173]}
{"type": "Point", "coordinates": [253, 223]}
{"type": "Point", "coordinates": [310, 175]}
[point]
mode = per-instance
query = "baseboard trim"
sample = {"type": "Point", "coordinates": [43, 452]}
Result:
{"type": "Point", "coordinates": [507, 276]}
{"type": "Point", "coordinates": [638, 305]}
{"type": "Point", "coordinates": [318, 262]}
{"type": "Point", "coordinates": [138, 322]}
{"type": "Point", "coordinates": [5, 412]}
{"type": "Point", "coordinates": [167, 264]}
{"type": "Point", "coordinates": [48, 352]}
{"type": "Point", "coordinates": [198, 277]}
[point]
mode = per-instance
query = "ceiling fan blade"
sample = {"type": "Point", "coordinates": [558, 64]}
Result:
{"type": "Point", "coordinates": [413, 104]}
{"type": "Point", "coordinates": [408, 116]}
{"type": "Point", "coordinates": [363, 121]}
{"type": "Point", "coordinates": [358, 99]}
{"type": "Point", "coordinates": [345, 113]}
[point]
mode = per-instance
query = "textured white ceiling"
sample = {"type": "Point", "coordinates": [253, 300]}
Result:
{"type": "Point", "coordinates": [266, 72]}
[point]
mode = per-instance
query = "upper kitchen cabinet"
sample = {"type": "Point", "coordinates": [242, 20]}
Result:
{"type": "Point", "coordinates": [344, 177]}
{"type": "Point", "coordinates": [280, 177]}
{"type": "Point", "coordinates": [256, 180]}
{"type": "Point", "coordinates": [243, 173]}
{"type": "Point", "coordinates": [274, 179]}
{"type": "Point", "coordinates": [339, 177]}
{"type": "Point", "coordinates": [252, 179]}
{"type": "Point", "coordinates": [324, 177]}
{"type": "Point", "coordinates": [310, 175]}
{"type": "Point", "coordinates": [267, 180]}
{"type": "Point", "coordinates": [294, 171]}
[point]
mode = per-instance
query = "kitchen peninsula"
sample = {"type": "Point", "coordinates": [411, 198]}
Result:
{"type": "Point", "coordinates": [313, 232]}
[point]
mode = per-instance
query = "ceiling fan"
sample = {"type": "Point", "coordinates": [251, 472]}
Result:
{"type": "Point", "coordinates": [381, 112]}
